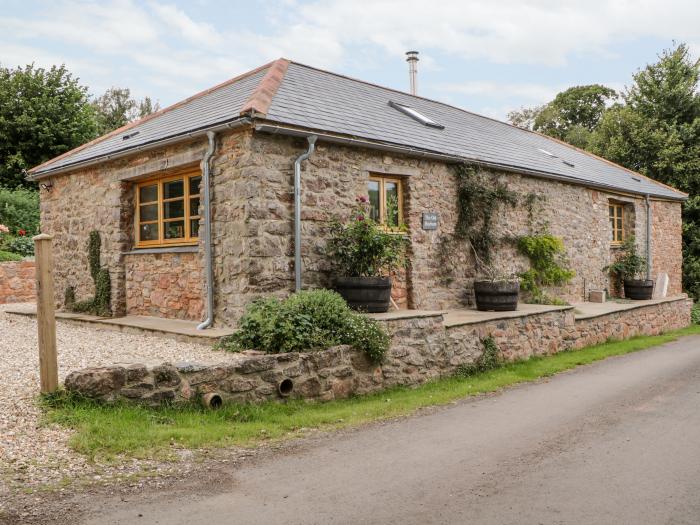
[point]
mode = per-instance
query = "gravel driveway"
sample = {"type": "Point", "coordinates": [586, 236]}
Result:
{"type": "Point", "coordinates": [34, 454]}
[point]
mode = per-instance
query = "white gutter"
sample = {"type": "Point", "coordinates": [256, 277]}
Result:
{"type": "Point", "coordinates": [143, 147]}
{"type": "Point", "coordinates": [297, 210]}
{"type": "Point", "coordinates": [208, 265]}
{"type": "Point", "coordinates": [410, 151]}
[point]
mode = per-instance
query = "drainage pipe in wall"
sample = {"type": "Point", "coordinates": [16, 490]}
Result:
{"type": "Point", "coordinates": [208, 265]}
{"type": "Point", "coordinates": [648, 245]}
{"type": "Point", "coordinates": [297, 210]}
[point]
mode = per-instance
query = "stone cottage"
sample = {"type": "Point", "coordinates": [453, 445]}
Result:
{"type": "Point", "coordinates": [199, 197]}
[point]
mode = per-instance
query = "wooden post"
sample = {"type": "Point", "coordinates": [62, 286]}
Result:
{"type": "Point", "coordinates": [45, 313]}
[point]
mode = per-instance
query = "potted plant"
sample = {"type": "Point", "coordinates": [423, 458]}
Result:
{"type": "Point", "coordinates": [364, 256]}
{"type": "Point", "coordinates": [495, 291]}
{"type": "Point", "coordinates": [630, 268]}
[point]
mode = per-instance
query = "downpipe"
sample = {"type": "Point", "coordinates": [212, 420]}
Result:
{"type": "Point", "coordinates": [297, 210]}
{"type": "Point", "coordinates": [206, 171]}
{"type": "Point", "coordinates": [648, 239]}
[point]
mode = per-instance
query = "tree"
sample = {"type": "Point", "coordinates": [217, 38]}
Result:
{"type": "Point", "coordinates": [571, 116]}
{"type": "Point", "coordinates": [115, 108]}
{"type": "Point", "coordinates": [657, 132]}
{"type": "Point", "coordinates": [43, 113]}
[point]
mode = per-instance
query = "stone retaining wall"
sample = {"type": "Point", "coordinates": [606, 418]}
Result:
{"type": "Point", "coordinates": [423, 348]}
{"type": "Point", "coordinates": [17, 282]}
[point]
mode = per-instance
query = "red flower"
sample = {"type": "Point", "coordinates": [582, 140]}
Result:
{"type": "Point", "coordinates": [360, 218]}
{"type": "Point", "coordinates": [362, 198]}
{"type": "Point", "coordinates": [22, 232]}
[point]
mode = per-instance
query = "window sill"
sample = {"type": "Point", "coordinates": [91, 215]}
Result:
{"type": "Point", "coordinates": [163, 249]}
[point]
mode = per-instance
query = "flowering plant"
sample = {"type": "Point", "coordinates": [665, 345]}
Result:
{"type": "Point", "coordinates": [362, 248]}
{"type": "Point", "coordinates": [4, 229]}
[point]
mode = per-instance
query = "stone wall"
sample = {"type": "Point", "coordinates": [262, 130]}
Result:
{"type": "Point", "coordinates": [17, 282]}
{"type": "Point", "coordinates": [422, 348]}
{"type": "Point", "coordinates": [169, 285]}
{"type": "Point", "coordinates": [666, 246]}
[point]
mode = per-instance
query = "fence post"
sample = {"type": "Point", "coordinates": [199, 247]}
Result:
{"type": "Point", "coordinates": [45, 313]}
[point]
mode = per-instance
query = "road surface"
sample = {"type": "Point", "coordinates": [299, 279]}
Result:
{"type": "Point", "coordinates": [617, 442]}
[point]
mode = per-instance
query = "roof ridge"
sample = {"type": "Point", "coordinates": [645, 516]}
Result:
{"type": "Point", "coordinates": [153, 115]}
{"type": "Point", "coordinates": [492, 120]}
{"type": "Point", "coordinates": [261, 98]}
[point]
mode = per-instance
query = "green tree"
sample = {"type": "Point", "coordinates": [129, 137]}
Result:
{"type": "Point", "coordinates": [43, 113]}
{"type": "Point", "coordinates": [116, 108]}
{"type": "Point", "coordinates": [657, 132]}
{"type": "Point", "coordinates": [571, 116]}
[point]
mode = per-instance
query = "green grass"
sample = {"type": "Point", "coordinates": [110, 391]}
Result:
{"type": "Point", "coordinates": [104, 432]}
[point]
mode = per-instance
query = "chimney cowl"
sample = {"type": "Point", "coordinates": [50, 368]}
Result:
{"type": "Point", "coordinates": [412, 59]}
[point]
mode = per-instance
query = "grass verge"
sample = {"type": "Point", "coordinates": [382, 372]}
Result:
{"type": "Point", "coordinates": [105, 431]}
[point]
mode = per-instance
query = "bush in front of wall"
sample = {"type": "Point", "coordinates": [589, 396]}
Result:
{"type": "Point", "coordinates": [22, 245]}
{"type": "Point", "coordinates": [9, 256]}
{"type": "Point", "coordinates": [100, 303]}
{"type": "Point", "coordinates": [547, 267]}
{"type": "Point", "coordinates": [307, 320]}
{"type": "Point", "coordinates": [489, 359]}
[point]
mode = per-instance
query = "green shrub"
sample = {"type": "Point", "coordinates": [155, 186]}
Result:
{"type": "Point", "coordinates": [489, 359]}
{"type": "Point", "coordinates": [9, 256]}
{"type": "Point", "coordinates": [19, 210]}
{"type": "Point", "coordinates": [695, 314]}
{"type": "Point", "coordinates": [307, 320]}
{"type": "Point", "coordinates": [547, 267]}
{"type": "Point", "coordinates": [100, 303]}
{"type": "Point", "coordinates": [23, 246]}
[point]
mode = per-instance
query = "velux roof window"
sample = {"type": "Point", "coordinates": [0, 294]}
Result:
{"type": "Point", "coordinates": [415, 115]}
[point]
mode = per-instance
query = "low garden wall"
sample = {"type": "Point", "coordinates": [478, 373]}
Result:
{"type": "Point", "coordinates": [423, 348]}
{"type": "Point", "coordinates": [17, 282]}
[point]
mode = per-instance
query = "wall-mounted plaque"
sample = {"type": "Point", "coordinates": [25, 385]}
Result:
{"type": "Point", "coordinates": [430, 221]}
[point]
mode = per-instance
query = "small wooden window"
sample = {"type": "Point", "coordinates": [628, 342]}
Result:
{"type": "Point", "coordinates": [386, 201]}
{"type": "Point", "coordinates": [617, 222]}
{"type": "Point", "coordinates": [167, 210]}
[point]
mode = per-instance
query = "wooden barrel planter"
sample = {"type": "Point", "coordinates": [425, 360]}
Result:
{"type": "Point", "coordinates": [639, 289]}
{"type": "Point", "coordinates": [365, 294]}
{"type": "Point", "coordinates": [497, 296]}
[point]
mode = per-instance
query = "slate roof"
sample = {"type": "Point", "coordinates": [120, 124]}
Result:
{"type": "Point", "coordinates": [301, 96]}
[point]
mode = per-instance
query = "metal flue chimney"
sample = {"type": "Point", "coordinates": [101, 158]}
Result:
{"type": "Point", "coordinates": [412, 59]}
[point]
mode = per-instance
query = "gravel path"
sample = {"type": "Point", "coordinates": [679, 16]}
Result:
{"type": "Point", "coordinates": [33, 454]}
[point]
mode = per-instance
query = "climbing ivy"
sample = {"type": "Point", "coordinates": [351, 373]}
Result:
{"type": "Point", "coordinates": [477, 204]}
{"type": "Point", "coordinates": [100, 303]}
{"type": "Point", "coordinates": [548, 267]}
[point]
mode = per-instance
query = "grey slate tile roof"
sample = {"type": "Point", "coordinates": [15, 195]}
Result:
{"type": "Point", "coordinates": [323, 101]}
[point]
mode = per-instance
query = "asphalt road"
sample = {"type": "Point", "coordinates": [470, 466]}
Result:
{"type": "Point", "coordinates": [616, 442]}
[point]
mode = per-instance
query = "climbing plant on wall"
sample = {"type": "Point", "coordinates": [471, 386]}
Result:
{"type": "Point", "coordinates": [548, 267]}
{"type": "Point", "coordinates": [100, 303]}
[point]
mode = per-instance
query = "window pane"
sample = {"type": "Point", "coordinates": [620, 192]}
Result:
{"type": "Point", "coordinates": [194, 206]}
{"type": "Point", "coordinates": [619, 223]}
{"type": "Point", "coordinates": [392, 204]}
{"type": "Point", "coordinates": [173, 188]}
{"type": "Point", "coordinates": [173, 209]}
{"type": "Point", "coordinates": [194, 185]}
{"type": "Point", "coordinates": [194, 228]}
{"type": "Point", "coordinates": [148, 212]}
{"type": "Point", "coordinates": [174, 230]}
{"type": "Point", "coordinates": [148, 193]}
{"type": "Point", "coordinates": [373, 193]}
{"type": "Point", "coordinates": [148, 232]}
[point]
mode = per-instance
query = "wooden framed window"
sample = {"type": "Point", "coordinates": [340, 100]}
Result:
{"type": "Point", "coordinates": [617, 222]}
{"type": "Point", "coordinates": [167, 210]}
{"type": "Point", "coordinates": [386, 201]}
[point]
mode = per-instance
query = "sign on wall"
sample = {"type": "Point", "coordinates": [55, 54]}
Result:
{"type": "Point", "coordinates": [430, 220]}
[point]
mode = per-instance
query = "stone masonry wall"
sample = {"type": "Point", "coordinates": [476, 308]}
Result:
{"type": "Point", "coordinates": [666, 246]}
{"type": "Point", "coordinates": [254, 220]}
{"type": "Point", "coordinates": [169, 285]}
{"type": "Point", "coordinates": [422, 348]}
{"type": "Point", "coordinates": [17, 282]}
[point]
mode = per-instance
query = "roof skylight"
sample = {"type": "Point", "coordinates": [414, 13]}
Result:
{"type": "Point", "coordinates": [548, 153]}
{"type": "Point", "coordinates": [415, 115]}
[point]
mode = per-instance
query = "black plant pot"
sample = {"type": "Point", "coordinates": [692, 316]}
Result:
{"type": "Point", "coordinates": [639, 289]}
{"type": "Point", "coordinates": [366, 294]}
{"type": "Point", "coordinates": [499, 296]}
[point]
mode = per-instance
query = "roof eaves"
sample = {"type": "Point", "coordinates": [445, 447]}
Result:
{"type": "Point", "coordinates": [130, 125]}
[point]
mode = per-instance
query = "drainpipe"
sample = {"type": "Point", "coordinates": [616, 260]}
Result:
{"type": "Point", "coordinates": [648, 246]}
{"type": "Point", "coordinates": [211, 135]}
{"type": "Point", "coordinates": [297, 210]}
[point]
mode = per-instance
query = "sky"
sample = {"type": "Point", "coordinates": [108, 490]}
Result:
{"type": "Point", "coordinates": [489, 56]}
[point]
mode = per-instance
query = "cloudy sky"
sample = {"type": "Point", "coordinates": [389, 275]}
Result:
{"type": "Point", "coordinates": [489, 56]}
